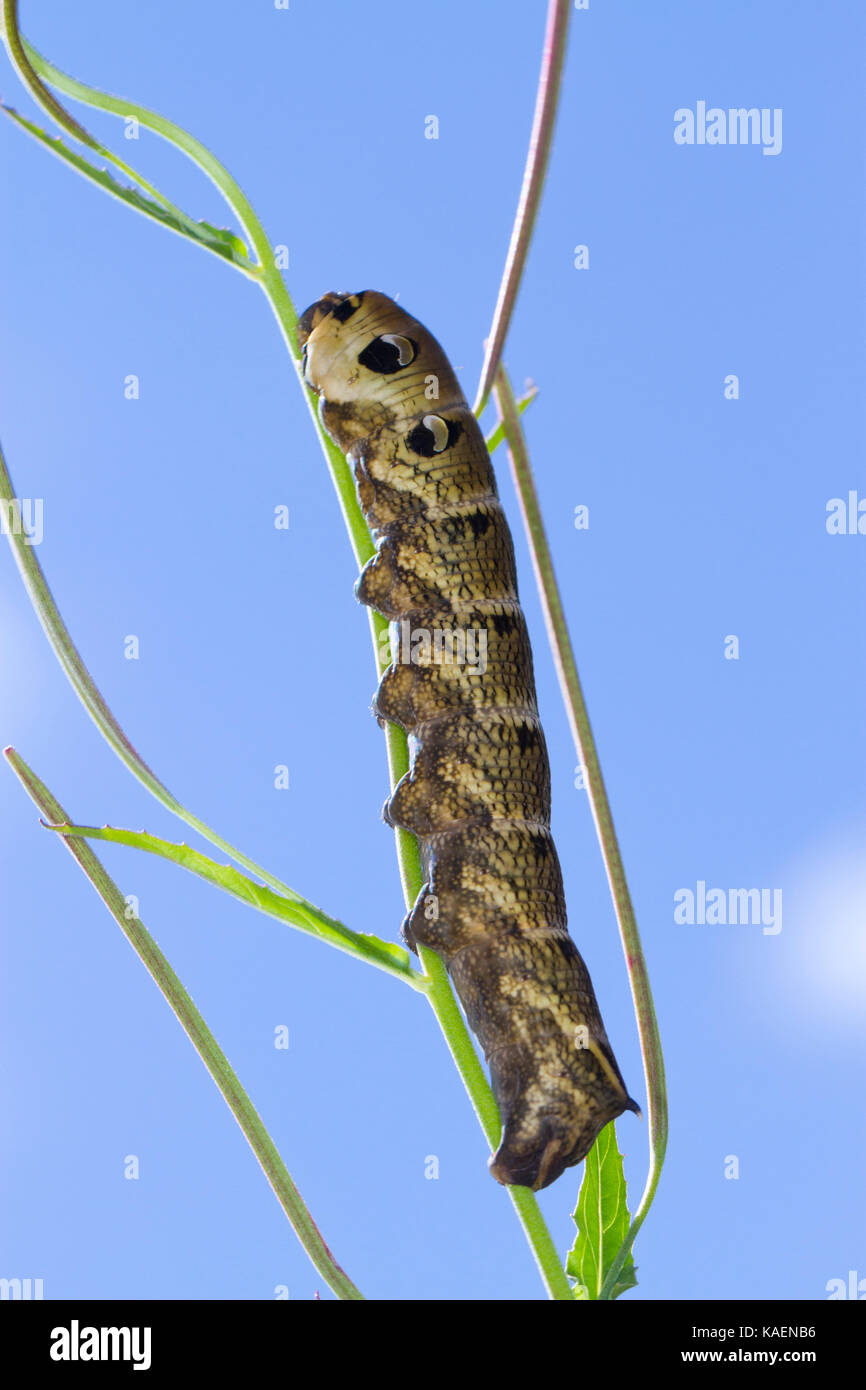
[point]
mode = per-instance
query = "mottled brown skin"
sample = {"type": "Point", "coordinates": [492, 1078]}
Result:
{"type": "Point", "coordinates": [477, 795]}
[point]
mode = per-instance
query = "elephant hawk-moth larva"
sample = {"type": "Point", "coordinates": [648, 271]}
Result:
{"type": "Point", "coordinates": [477, 794]}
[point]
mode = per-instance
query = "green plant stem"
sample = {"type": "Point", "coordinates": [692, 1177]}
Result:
{"type": "Point", "coordinates": [441, 995]}
{"type": "Point", "coordinates": [450, 1019]}
{"type": "Point", "coordinates": [581, 729]}
{"type": "Point", "coordinates": [199, 1035]}
{"type": "Point", "coordinates": [444, 1005]}
{"type": "Point", "coordinates": [540, 142]}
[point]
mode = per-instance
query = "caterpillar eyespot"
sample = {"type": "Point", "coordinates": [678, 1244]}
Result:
{"type": "Point", "coordinates": [388, 353]}
{"type": "Point", "coordinates": [477, 794]}
{"type": "Point", "coordinates": [433, 435]}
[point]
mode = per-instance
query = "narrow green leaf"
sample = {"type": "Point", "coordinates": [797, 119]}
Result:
{"type": "Point", "coordinates": [496, 436]}
{"type": "Point", "coordinates": [295, 910]}
{"type": "Point", "coordinates": [602, 1221]}
{"type": "Point", "coordinates": [265, 271]}
{"type": "Point", "coordinates": [219, 240]}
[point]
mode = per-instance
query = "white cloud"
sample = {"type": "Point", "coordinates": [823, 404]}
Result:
{"type": "Point", "coordinates": [824, 963]}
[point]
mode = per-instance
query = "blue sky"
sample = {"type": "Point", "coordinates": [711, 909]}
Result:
{"type": "Point", "coordinates": [707, 521]}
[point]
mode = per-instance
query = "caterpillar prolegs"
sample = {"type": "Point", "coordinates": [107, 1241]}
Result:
{"type": "Point", "coordinates": [477, 794]}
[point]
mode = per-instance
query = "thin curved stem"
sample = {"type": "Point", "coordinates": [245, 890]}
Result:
{"type": "Point", "coordinates": [572, 693]}
{"type": "Point", "coordinates": [540, 141]}
{"type": "Point", "coordinates": [199, 1035]}
{"type": "Point", "coordinates": [30, 78]}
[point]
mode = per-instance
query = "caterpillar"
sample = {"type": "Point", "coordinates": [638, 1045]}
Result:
{"type": "Point", "coordinates": [477, 794]}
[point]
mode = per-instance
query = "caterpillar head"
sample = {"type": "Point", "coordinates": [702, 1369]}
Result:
{"type": "Point", "coordinates": [372, 365]}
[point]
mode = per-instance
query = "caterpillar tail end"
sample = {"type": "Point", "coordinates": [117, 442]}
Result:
{"type": "Point", "coordinates": [544, 1134]}
{"type": "Point", "coordinates": [536, 1167]}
